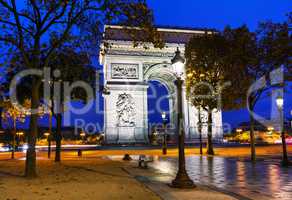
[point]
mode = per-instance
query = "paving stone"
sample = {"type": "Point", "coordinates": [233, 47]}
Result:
{"type": "Point", "coordinates": [264, 180]}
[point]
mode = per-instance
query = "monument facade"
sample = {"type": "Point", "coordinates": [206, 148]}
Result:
{"type": "Point", "coordinates": [127, 72]}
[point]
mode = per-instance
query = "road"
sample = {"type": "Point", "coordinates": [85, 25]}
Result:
{"type": "Point", "coordinates": [234, 151]}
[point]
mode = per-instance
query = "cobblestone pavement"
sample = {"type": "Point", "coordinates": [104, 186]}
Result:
{"type": "Point", "coordinates": [264, 180]}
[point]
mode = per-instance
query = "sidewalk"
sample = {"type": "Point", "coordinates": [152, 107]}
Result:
{"type": "Point", "coordinates": [158, 183]}
{"type": "Point", "coordinates": [94, 178]}
{"type": "Point", "coordinates": [86, 179]}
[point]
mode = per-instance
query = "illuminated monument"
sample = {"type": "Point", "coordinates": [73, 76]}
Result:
{"type": "Point", "coordinates": [127, 71]}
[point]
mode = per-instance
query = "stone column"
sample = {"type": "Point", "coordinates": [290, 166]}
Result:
{"type": "Point", "coordinates": [126, 114]}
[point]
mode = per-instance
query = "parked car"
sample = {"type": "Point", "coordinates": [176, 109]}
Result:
{"type": "Point", "coordinates": [4, 148]}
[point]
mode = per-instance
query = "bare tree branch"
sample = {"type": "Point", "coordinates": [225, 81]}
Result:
{"type": "Point", "coordinates": [54, 19]}
{"type": "Point", "coordinates": [10, 8]}
{"type": "Point", "coordinates": [20, 33]}
{"type": "Point", "coordinates": [15, 25]}
{"type": "Point", "coordinates": [36, 12]}
{"type": "Point", "coordinates": [10, 41]}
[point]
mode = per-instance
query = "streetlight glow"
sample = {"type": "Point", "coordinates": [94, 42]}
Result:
{"type": "Point", "coordinates": [47, 134]}
{"type": "Point", "coordinates": [280, 101]}
{"type": "Point", "coordinates": [19, 133]}
{"type": "Point", "coordinates": [163, 115]}
{"type": "Point", "coordinates": [82, 134]}
{"type": "Point", "coordinates": [239, 130]}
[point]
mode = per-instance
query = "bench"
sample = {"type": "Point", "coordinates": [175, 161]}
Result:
{"type": "Point", "coordinates": [144, 160]}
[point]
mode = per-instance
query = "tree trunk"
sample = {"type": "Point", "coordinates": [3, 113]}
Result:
{"type": "Point", "coordinates": [210, 150]}
{"type": "Point", "coordinates": [252, 139]}
{"type": "Point", "coordinates": [1, 109]}
{"type": "Point", "coordinates": [58, 137]}
{"type": "Point", "coordinates": [30, 165]}
{"type": "Point", "coordinates": [50, 136]}
{"type": "Point", "coordinates": [13, 139]}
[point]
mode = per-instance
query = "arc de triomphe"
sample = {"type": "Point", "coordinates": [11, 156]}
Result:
{"type": "Point", "coordinates": [127, 71]}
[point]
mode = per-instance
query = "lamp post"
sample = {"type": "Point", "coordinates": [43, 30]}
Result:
{"type": "Point", "coordinates": [50, 112]}
{"type": "Point", "coordinates": [19, 135]}
{"type": "Point", "coordinates": [200, 130]}
{"type": "Point", "coordinates": [164, 145]}
{"type": "Point", "coordinates": [82, 134]}
{"type": "Point", "coordinates": [182, 179]}
{"type": "Point", "coordinates": [48, 136]}
{"type": "Point", "coordinates": [50, 130]}
{"type": "Point", "coordinates": [13, 137]}
{"type": "Point", "coordinates": [280, 104]}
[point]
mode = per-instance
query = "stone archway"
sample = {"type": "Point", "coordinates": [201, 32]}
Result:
{"type": "Point", "coordinates": [162, 73]}
{"type": "Point", "coordinates": [127, 71]}
{"type": "Point", "coordinates": [126, 108]}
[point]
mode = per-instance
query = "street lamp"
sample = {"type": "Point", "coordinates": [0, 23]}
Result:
{"type": "Point", "coordinates": [239, 130]}
{"type": "Point", "coordinates": [163, 116]}
{"type": "Point", "coordinates": [164, 145]}
{"type": "Point", "coordinates": [280, 104]}
{"type": "Point", "coordinates": [50, 129]}
{"type": "Point", "coordinates": [19, 135]}
{"type": "Point", "coordinates": [83, 134]}
{"type": "Point", "coordinates": [200, 129]}
{"type": "Point", "coordinates": [48, 136]}
{"type": "Point", "coordinates": [270, 130]}
{"type": "Point", "coordinates": [182, 179]}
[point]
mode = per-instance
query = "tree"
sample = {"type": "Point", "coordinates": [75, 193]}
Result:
{"type": "Point", "coordinates": [252, 56]}
{"type": "Point", "coordinates": [273, 50]}
{"type": "Point", "coordinates": [216, 66]}
{"type": "Point", "coordinates": [1, 106]}
{"type": "Point", "coordinates": [22, 89]}
{"type": "Point", "coordinates": [242, 51]}
{"type": "Point", "coordinates": [73, 66]}
{"type": "Point", "coordinates": [205, 75]}
{"type": "Point", "coordinates": [15, 113]}
{"type": "Point", "coordinates": [35, 30]}
{"type": "Point", "coordinates": [1, 110]}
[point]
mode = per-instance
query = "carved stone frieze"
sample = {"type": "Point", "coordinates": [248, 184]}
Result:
{"type": "Point", "coordinates": [124, 71]}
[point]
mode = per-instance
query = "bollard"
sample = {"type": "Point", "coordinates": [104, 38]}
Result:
{"type": "Point", "coordinates": [127, 157]}
{"type": "Point", "coordinates": [164, 150]}
{"type": "Point", "coordinates": [79, 152]}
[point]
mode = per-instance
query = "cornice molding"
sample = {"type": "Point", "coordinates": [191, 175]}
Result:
{"type": "Point", "coordinates": [139, 53]}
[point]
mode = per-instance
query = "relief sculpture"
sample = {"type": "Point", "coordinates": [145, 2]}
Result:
{"type": "Point", "coordinates": [126, 110]}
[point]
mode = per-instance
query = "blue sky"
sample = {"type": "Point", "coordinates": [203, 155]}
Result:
{"type": "Point", "coordinates": [218, 14]}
